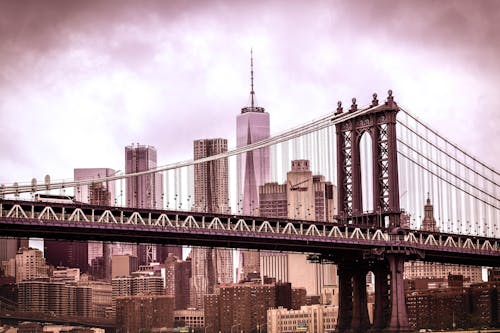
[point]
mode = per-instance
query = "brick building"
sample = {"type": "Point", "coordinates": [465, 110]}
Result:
{"type": "Point", "coordinates": [134, 313]}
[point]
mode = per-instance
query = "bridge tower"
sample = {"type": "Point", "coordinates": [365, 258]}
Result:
{"type": "Point", "coordinates": [379, 121]}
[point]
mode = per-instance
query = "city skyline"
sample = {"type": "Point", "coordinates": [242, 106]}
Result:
{"type": "Point", "coordinates": [95, 96]}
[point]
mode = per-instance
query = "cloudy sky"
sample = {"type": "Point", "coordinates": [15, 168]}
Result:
{"type": "Point", "coordinates": [79, 80]}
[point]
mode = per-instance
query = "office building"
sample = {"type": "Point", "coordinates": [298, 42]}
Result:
{"type": "Point", "coordinates": [253, 168]}
{"type": "Point", "coordinates": [9, 247]}
{"type": "Point", "coordinates": [177, 276]}
{"type": "Point", "coordinates": [303, 196]}
{"type": "Point", "coordinates": [30, 265]}
{"type": "Point", "coordinates": [123, 265]}
{"type": "Point", "coordinates": [312, 318]}
{"type": "Point", "coordinates": [72, 254]}
{"type": "Point", "coordinates": [98, 193]}
{"type": "Point", "coordinates": [144, 191]}
{"type": "Point", "coordinates": [210, 266]}
{"type": "Point", "coordinates": [144, 312]}
{"type": "Point", "coordinates": [64, 274]}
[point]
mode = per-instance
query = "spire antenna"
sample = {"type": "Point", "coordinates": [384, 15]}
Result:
{"type": "Point", "coordinates": [252, 93]}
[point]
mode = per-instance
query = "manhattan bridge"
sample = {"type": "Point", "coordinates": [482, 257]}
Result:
{"type": "Point", "coordinates": [385, 161]}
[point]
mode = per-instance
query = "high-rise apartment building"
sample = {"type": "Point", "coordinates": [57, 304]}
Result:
{"type": "Point", "coordinates": [144, 312]}
{"type": "Point", "coordinates": [30, 264]}
{"type": "Point", "coordinates": [210, 266]}
{"type": "Point", "coordinates": [239, 307]}
{"type": "Point", "coordinates": [56, 297]}
{"type": "Point", "coordinates": [137, 285]}
{"type": "Point", "coordinates": [98, 193]}
{"type": "Point", "coordinates": [253, 168]}
{"type": "Point", "coordinates": [303, 196]}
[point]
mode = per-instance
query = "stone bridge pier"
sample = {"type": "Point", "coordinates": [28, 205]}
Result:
{"type": "Point", "coordinates": [389, 314]}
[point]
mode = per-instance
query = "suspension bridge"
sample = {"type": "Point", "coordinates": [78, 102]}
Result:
{"type": "Point", "coordinates": [384, 161]}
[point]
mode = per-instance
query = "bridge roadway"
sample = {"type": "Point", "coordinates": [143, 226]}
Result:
{"type": "Point", "coordinates": [330, 241]}
{"type": "Point", "coordinates": [16, 317]}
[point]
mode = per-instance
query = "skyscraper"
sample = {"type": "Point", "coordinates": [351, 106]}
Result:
{"type": "Point", "coordinates": [100, 193]}
{"type": "Point", "coordinates": [210, 266]}
{"type": "Point", "coordinates": [144, 191]}
{"type": "Point", "coordinates": [304, 196]}
{"type": "Point", "coordinates": [253, 168]}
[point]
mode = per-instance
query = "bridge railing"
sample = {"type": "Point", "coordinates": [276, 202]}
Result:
{"type": "Point", "coordinates": [46, 216]}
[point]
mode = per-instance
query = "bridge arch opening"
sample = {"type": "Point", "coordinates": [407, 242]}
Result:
{"type": "Point", "coordinates": [366, 163]}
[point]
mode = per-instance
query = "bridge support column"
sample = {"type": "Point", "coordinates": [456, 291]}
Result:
{"type": "Point", "coordinates": [382, 309]}
{"type": "Point", "coordinates": [399, 317]}
{"type": "Point", "coordinates": [360, 321]}
{"type": "Point", "coordinates": [344, 272]}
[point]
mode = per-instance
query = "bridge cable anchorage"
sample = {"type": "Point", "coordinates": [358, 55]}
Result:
{"type": "Point", "coordinates": [313, 126]}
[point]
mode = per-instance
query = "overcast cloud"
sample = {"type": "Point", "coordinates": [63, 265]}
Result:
{"type": "Point", "coordinates": [79, 80]}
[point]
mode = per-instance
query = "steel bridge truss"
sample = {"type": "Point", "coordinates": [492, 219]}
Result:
{"type": "Point", "coordinates": [81, 222]}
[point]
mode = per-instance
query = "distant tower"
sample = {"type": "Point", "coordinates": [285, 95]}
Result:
{"type": "Point", "coordinates": [143, 191]}
{"type": "Point", "coordinates": [429, 223]}
{"type": "Point", "coordinates": [253, 168]}
{"type": "Point", "coordinates": [210, 266]}
{"type": "Point", "coordinates": [99, 193]}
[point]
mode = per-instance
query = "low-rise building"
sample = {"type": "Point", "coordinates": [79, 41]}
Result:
{"type": "Point", "coordinates": [311, 319]}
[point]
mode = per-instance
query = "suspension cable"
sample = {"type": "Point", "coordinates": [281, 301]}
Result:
{"type": "Point", "coordinates": [419, 122]}
{"type": "Point", "coordinates": [447, 171]}
{"type": "Point", "coordinates": [321, 123]}
{"type": "Point", "coordinates": [447, 181]}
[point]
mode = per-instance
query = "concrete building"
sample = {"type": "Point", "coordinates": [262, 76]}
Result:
{"type": "Point", "coordinates": [101, 193]}
{"type": "Point", "coordinates": [30, 264]}
{"type": "Point", "coordinates": [210, 266]}
{"type": "Point", "coordinates": [311, 319]}
{"type": "Point", "coordinates": [137, 285]}
{"type": "Point", "coordinates": [123, 265]}
{"type": "Point", "coordinates": [102, 298]}
{"type": "Point", "coordinates": [192, 318]}
{"type": "Point", "coordinates": [55, 297]}
{"type": "Point", "coordinates": [253, 168]}
{"type": "Point", "coordinates": [135, 313]}
{"type": "Point", "coordinates": [64, 274]}
{"type": "Point", "coordinates": [303, 196]}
